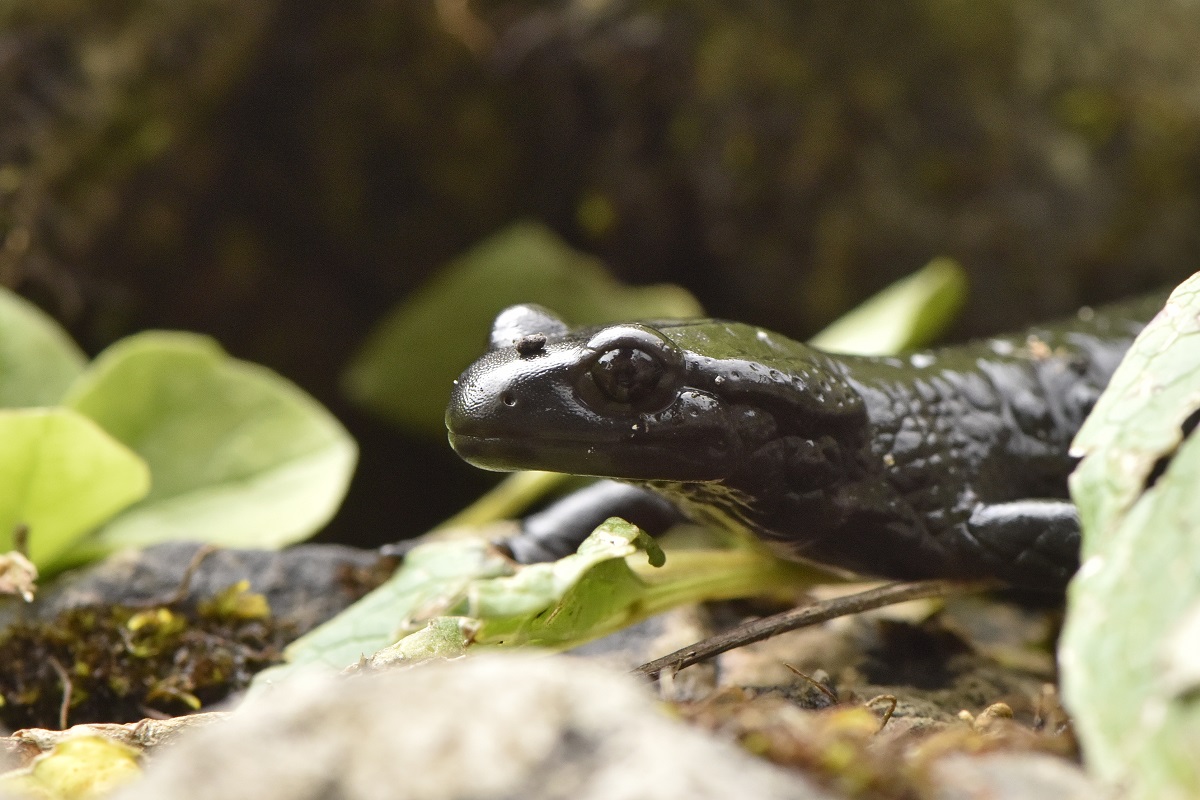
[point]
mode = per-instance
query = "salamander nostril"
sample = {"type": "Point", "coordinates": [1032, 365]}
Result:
{"type": "Point", "coordinates": [509, 399]}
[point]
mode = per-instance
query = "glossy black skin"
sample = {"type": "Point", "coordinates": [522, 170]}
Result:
{"type": "Point", "coordinates": [947, 463]}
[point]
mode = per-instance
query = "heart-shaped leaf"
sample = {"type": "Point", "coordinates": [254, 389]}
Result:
{"type": "Point", "coordinates": [38, 361]}
{"type": "Point", "coordinates": [239, 455]}
{"type": "Point", "coordinates": [61, 476]}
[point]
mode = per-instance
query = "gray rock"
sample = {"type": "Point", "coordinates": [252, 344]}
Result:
{"type": "Point", "coordinates": [304, 585]}
{"type": "Point", "coordinates": [1011, 776]}
{"type": "Point", "coordinates": [491, 726]}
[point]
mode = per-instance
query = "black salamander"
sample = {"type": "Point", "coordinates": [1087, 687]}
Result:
{"type": "Point", "coordinates": [946, 463]}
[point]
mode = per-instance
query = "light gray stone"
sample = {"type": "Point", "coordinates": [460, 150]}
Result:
{"type": "Point", "coordinates": [491, 726]}
{"type": "Point", "coordinates": [1011, 776]}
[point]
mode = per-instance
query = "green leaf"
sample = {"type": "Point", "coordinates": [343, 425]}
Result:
{"type": "Point", "coordinates": [615, 579]}
{"type": "Point", "coordinates": [61, 476]}
{"type": "Point", "coordinates": [239, 455]}
{"type": "Point", "coordinates": [38, 361]}
{"type": "Point", "coordinates": [432, 580]}
{"type": "Point", "coordinates": [555, 604]}
{"type": "Point", "coordinates": [1128, 654]}
{"type": "Point", "coordinates": [910, 313]}
{"type": "Point", "coordinates": [405, 369]}
{"type": "Point", "coordinates": [1138, 419]}
{"type": "Point", "coordinates": [564, 602]}
{"type": "Point", "coordinates": [442, 638]}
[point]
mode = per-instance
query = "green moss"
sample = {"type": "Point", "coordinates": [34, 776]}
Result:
{"type": "Point", "coordinates": [123, 664]}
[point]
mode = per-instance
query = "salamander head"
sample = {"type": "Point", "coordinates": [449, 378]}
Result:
{"type": "Point", "coordinates": [670, 401]}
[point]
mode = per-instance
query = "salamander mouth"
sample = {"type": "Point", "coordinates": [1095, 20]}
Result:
{"type": "Point", "coordinates": [495, 453]}
{"type": "Point", "coordinates": [631, 460]}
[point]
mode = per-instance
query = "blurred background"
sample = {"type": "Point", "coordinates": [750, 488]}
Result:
{"type": "Point", "coordinates": [281, 175]}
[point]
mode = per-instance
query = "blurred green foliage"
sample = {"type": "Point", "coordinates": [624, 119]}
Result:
{"type": "Point", "coordinates": [162, 437]}
{"type": "Point", "coordinates": [239, 456]}
{"type": "Point", "coordinates": [63, 476]}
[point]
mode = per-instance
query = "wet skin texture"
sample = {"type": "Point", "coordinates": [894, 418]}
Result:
{"type": "Point", "coordinates": [946, 463]}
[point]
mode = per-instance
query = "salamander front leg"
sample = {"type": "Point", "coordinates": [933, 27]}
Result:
{"type": "Point", "coordinates": [1031, 543]}
{"type": "Point", "coordinates": [560, 528]}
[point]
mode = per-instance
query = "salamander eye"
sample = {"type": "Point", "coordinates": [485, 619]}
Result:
{"type": "Point", "coordinates": [627, 374]}
{"type": "Point", "coordinates": [629, 369]}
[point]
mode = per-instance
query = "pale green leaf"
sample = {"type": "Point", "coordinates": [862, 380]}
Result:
{"type": "Point", "coordinates": [508, 603]}
{"type": "Point", "coordinates": [910, 313]}
{"type": "Point", "coordinates": [38, 361]}
{"type": "Point", "coordinates": [405, 369]}
{"type": "Point", "coordinates": [1128, 667]}
{"type": "Point", "coordinates": [61, 476]}
{"type": "Point", "coordinates": [608, 584]}
{"type": "Point", "coordinates": [565, 602]}
{"type": "Point", "coordinates": [1139, 417]}
{"type": "Point", "coordinates": [442, 638]}
{"type": "Point", "coordinates": [432, 580]}
{"type": "Point", "coordinates": [239, 455]}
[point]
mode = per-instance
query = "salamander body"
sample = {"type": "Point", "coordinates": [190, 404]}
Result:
{"type": "Point", "coordinates": [944, 463]}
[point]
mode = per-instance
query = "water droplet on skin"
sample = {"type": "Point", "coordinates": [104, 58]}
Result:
{"type": "Point", "coordinates": [922, 360]}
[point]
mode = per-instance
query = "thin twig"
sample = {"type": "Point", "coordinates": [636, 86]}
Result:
{"type": "Point", "coordinates": [189, 573]}
{"type": "Point", "coordinates": [20, 538]}
{"type": "Point", "coordinates": [68, 689]}
{"type": "Point", "coordinates": [816, 684]}
{"type": "Point", "coordinates": [759, 629]}
{"type": "Point", "coordinates": [185, 582]}
{"type": "Point", "coordinates": [892, 702]}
